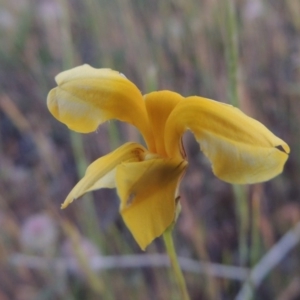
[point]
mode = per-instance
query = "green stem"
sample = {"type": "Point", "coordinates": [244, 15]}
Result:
{"type": "Point", "coordinates": [91, 223]}
{"type": "Point", "coordinates": [241, 208]}
{"type": "Point", "coordinates": [232, 60]}
{"type": "Point", "coordinates": [231, 50]}
{"type": "Point", "coordinates": [168, 239]}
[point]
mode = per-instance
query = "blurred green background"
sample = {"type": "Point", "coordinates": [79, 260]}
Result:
{"type": "Point", "coordinates": [245, 52]}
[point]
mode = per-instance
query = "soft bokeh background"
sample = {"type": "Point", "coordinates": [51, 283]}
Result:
{"type": "Point", "coordinates": [187, 46]}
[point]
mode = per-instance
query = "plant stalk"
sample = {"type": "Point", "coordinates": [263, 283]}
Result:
{"type": "Point", "coordinates": [169, 243]}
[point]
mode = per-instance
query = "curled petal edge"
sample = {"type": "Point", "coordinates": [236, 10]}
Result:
{"type": "Point", "coordinates": [101, 173]}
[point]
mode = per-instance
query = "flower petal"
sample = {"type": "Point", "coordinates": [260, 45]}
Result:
{"type": "Point", "coordinates": [159, 106]}
{"type": "Point", "coordinates": [147, 191]}
{"type": "Point", "coordinates": [101, 173]}
{"type": "Point", "coordinates": [86, 97]}
{"type": "Point", "coordinates": [241, 149]}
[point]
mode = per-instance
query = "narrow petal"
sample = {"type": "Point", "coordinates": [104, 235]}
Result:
{"type": "Point", "coordinates": [86, 97]}
{"type": "Point", "coordinates": [241, 149]}
{"type": "Point", "coordinates": [101, 173]}
{"type": "Point", "coordinates": [159, 106]}
{"type": "Point", "coordinates": [147, 191]}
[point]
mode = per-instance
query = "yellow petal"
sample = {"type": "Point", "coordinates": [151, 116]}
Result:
{"type": "Point", "coordinates": [241, 149]}
{"type": "Point", "coordinates": [101, 173]}
{"type": "Point", "coordinates": [147, 191]}
{"type": "Point", "coordinates": [159, 106]}
{"type": "Point", "coordinates": [86, 97]}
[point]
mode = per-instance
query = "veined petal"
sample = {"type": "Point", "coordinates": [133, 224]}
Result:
{"type": "Point", "coordinates": [241, 149]}
{"type": "Point", "coordinates": [101, 173]}
{"type": "Point", "coordinates": [159, 106]}
{"type": "Point", "coordinates": [147, 191]}
{"type": "Point", "coordinates": [86, 97]}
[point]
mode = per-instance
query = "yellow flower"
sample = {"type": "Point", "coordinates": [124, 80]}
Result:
{"type": "Point", "coordinates": [241, 150]}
